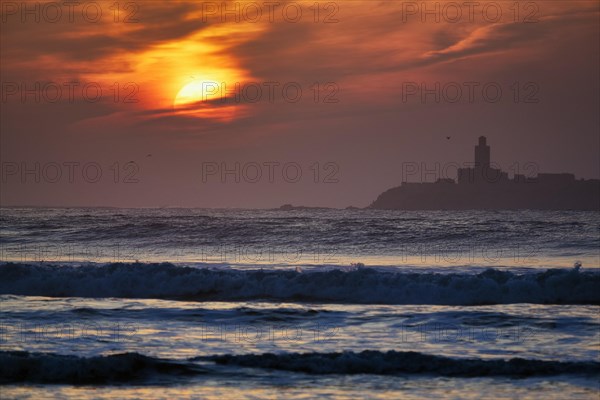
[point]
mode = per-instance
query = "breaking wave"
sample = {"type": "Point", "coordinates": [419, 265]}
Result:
{"type": "Point", "coordinates": [21, 366]}
{"type": "Point", "coordinates": [399, 362]}
{"type": "Point", "coordinates": [358, 286]}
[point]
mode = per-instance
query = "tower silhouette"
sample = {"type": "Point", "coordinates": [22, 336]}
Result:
{"type": "Point", "coordinates": [482, 154]}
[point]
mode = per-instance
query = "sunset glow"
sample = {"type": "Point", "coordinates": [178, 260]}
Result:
{"type": "Point", "coordinates": [357, 82]}
{"type": "Point", "coordinates": [353, 199]}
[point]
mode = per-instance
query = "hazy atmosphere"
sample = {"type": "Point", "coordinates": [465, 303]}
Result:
{"type": "Point", "coordinates": [254, 105]}
{"type": "Point", "coordinates": [354, 199]}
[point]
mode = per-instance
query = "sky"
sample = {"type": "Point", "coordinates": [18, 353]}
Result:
{"type": "Point", "coordinates": [243, 104]}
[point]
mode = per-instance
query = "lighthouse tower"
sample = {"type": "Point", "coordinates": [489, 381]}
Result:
{"type": "Point", "coordinates": [482, 154]}
{"type": "Point", "coordinates": [482, 172]}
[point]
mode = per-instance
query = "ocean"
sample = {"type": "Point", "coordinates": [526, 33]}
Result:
{"type": "Point", "coordinates": [315, 303]}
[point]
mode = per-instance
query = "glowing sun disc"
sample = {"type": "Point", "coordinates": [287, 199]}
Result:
{"type": "Point", "coordinates": [197, 99]}
{"type": "Point", "coordinates": [197, 91]}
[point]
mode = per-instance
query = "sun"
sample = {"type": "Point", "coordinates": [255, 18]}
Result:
{"type": "Point", "coordinates": [205, 99]}
{"type": "Point", "coordinates": [198, 91]}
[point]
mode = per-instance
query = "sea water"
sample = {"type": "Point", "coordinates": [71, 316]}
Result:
{"type": "Point", "coordinates": [180, 303]}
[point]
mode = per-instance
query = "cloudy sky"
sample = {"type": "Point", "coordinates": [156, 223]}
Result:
{"type": "Point", "coordinates": [257, 104]}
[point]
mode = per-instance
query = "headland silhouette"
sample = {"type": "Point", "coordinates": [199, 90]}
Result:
{"type": "Point", "coordinates": [485, 187]}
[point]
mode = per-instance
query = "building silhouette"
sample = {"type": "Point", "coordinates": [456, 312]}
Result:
{"type": "Point", "coordinates": [482, 153]}
{"type": "Point", "coordinates": [482, 171]}
{"type": "Point", "coordinates": [481, 186]}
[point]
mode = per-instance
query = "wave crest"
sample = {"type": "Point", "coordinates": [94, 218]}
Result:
{"type": "Point", "coordinates": [395, 362]}
{"type": "Point", "coordinates": [360, 286]}
{"type": "Point", "coordinates": [21, 366]}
